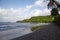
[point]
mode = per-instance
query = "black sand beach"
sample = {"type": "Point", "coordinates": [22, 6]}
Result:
{"type": "Point", "coordinates": [48, 32]}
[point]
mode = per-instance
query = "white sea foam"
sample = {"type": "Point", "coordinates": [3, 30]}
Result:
{"type": "Point", "coordinates": [9, 34]}
{"type": "Point", "coordinates": [13, 30]}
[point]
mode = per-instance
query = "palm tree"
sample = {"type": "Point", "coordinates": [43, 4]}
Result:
{"type": "Point", "coordinates": [54, 5]}
{"type": "Point", "coordinates": [54, 12]}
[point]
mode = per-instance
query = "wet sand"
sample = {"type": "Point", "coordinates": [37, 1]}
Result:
{"type": "Point", "coordinates": [48, 32]}
{"type": "Point", "coordinates": [9, 34]}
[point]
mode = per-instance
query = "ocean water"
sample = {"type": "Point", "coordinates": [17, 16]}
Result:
{"type": "Point", "coordinates": [13, 25]}
{"type": "Point", "coordinates": [10, 30]}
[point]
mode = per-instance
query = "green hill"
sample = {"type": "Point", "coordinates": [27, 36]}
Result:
{"type": "Point", "coordinates": [38, 19]}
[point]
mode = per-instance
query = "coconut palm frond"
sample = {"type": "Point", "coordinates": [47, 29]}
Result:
{"type": "Point", "coordinates": [52, 3]}
{"type": "Point", "coordinates": [58, 4]}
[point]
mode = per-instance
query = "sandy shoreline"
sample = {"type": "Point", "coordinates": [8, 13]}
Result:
{"type": "Point", "coordinates": [9, 34]}
{"type": "Point", "coordinates": [49, 32]}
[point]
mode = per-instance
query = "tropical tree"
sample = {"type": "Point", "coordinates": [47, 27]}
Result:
{"type": "Point", "coordinates": [54, 5]}
{"type": "Point", "coordinates": [54, 12]}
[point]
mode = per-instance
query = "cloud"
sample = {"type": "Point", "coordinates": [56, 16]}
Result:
{"type": "Point", "coordinates": [29, 6]}
{"type": "Point", "coordinates": [20, 13]}
{"type": "Point", "coordinates": [12, 14]}
{"type": "Point", "coordinates": [37, 12]}
{"type": "Point", "coordinates": [39, 2]}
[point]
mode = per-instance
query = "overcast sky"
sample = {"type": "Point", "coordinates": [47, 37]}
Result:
{"type": "Point", "coordinates": [13, 10]}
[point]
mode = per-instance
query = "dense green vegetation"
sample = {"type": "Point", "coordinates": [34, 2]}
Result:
{"type": "Point", "coordinates": [35, 28]}
{"type": "Point", "coordinates": [56, 21]}
{"type": "Point", "coordinates": [37, 19]}
{"type": "Point", "coordinates": [55, 6]}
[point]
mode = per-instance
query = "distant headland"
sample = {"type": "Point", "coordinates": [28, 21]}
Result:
{"type": "Point", "coordinates": [38, 19]}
